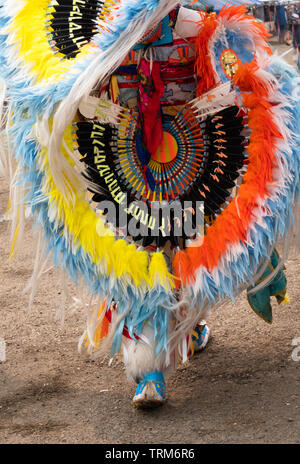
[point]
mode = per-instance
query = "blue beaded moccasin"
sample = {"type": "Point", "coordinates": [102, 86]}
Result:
{"type": "Point", "coordinates": [150, 391]}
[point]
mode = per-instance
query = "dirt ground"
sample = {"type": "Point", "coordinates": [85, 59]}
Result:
{"type": "Point", "coordinates": [244, 388]}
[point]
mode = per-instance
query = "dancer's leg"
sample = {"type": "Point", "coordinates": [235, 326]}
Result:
{"type": "Point", "coordinates": [146, 369]}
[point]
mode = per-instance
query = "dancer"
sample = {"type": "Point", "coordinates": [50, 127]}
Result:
{"type": "Point", "coordinates": [156, 147]}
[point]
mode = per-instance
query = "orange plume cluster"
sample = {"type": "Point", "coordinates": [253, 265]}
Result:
{"type": "Point", "coordinates": [239, 13]}
{"type": "Point", "coordinates": [203, 64]}
{"type": "Point", "coordinates": [208, 26]}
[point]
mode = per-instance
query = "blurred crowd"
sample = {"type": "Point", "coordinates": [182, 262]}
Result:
{"type": "Point", "coordinates": [282, 19]}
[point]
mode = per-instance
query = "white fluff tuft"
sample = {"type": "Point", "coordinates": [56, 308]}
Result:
{"type": "Point", "coordinates": [139, 357]}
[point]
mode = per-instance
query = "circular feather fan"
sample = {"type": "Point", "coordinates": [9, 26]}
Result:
{"type": "Point", "coordinates": [197, 162]}
{"type": "Point", "coordinates": [50, 38]}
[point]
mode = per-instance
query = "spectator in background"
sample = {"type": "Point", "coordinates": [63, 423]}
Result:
{"type": "Point", "coordinates": [282, 24]}
{"type": "Point", "coordinates": [295, 17]}
{"type": "Point", "coordinates": [260, 13]}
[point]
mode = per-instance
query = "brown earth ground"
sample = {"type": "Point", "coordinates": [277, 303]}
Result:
{"type": "Point", "coordinates": [245, 388]}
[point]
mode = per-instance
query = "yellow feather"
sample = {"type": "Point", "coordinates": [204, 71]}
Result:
{"type": "Point", "coordinates": [286, 299]}
{"type": "Point", "coordinates": [158, 272]}
{"type": "Point", "coordinates": [12, 248]}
